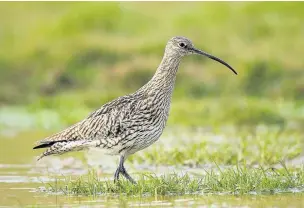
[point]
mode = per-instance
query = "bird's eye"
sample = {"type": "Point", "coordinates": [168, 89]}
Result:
{"type": "Point", "coordinates": [183, 45]}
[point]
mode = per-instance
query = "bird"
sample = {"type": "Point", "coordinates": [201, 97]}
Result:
{"type": "Point", "coordinates": [132, 122]}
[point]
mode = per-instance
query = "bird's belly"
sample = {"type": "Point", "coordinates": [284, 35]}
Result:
{"type": "Point", "coordinates": [145, 139]}
{"type": "Point", "coordinates": [150, 132]}
{"type": "Point", "coordinates": [132, 143]}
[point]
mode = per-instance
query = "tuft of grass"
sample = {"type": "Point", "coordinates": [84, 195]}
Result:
{"type": "Point", "coordinates": [238, 180]}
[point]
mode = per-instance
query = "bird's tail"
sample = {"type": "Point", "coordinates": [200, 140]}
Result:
{"type": "Point", "coordinates": [61, 147]}
{"type": "Point", "coordinates": [40, 157]}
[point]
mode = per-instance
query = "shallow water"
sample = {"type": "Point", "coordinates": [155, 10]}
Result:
{"type": "Point", "coordinates": [23, 180]}
{"type": "Point", "coordinates": [25, 194]}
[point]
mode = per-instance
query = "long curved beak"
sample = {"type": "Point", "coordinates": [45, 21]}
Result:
{"type": "Point", "coordinates": [194, 50]}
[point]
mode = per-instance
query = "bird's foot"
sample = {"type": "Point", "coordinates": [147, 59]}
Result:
{"type": "Point", "coordinates": [128, 177]}
{"type": "Point", "coordinates": [124, 173]}
{"type": "Point", "coordinates": [121, 169]}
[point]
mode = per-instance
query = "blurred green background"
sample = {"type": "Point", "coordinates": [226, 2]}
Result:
{"type": "Point", "coordinates": [73, 57]}
{"type": "Point", "coordinates": [61, 60]}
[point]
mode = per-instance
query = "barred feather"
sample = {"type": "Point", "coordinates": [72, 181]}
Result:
{"type": "Point", "coordinates": [129, 123]}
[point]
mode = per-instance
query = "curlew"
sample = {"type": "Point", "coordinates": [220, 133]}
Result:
{"type": "Point", "coordinates": [132, 122]}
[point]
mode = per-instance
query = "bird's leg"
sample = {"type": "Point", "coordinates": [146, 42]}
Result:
{"type": "Point", "coordinates": [126, 174]}
{"type": "Point", "coordinates": [118, 170]}
{"type": "Point", "coordinates": [121, 169]}
{"type": "Point", "coordinates": [116, 175]}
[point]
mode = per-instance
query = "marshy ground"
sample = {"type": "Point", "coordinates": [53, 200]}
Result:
{"type": "Point", "coordinates": [231, 141]}
{"type": "Point", "coordinates": [187, 166]}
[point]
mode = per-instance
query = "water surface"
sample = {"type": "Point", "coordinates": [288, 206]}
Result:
{"type": "Point", "coordinates": [23, 180]}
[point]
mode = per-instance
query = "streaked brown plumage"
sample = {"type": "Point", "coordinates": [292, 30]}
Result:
{"type": "Point", "coordinates": [132, 122]}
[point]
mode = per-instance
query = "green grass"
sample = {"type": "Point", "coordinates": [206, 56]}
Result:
{"type": "Point", "coordinates": [263, 145]}
{"type": "Point", "coordinates": [239, 180]}
{"type": "Point", "coordinates": [95, 48]}
{"type": "Point", "coordinates": [226, 131]}
{"type": "Point", "coordinates": [59, 61]}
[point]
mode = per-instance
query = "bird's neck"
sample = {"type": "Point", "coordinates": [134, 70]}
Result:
{"type": "Point", "coordinates": [164, 77]}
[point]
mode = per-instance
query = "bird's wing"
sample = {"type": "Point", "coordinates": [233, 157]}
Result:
{"type": "Point", "coordinates": [102, 123]}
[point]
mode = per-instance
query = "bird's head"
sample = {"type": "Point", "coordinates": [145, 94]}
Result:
{"type": "Point", "coordinates": [181, 46]}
